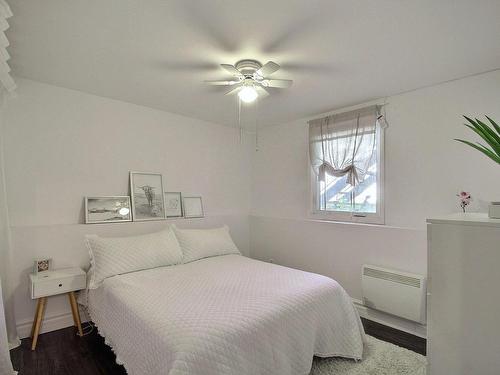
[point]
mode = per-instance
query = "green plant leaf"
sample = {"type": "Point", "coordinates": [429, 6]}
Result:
{"type": "Point", "coordinates": [488, 152]}
{"type": "Point", "coordinates": [470, 120]}
{"type": "Point", "coordinates": [490, 131]}
{"type": "Point", "coordinates": [490, 135]}
{"type": "Point", "coordinates": [495, 125]}
{"type": "Point", "coordinates": [483, 149]}
{"type": "Point", "coordinates": [487, 137]}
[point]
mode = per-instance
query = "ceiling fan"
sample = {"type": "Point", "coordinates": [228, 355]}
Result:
{"type": "Point", "coordinates": [251, 79]}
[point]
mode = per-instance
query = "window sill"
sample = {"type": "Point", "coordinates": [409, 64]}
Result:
{"type": "Point", "coordinates": [347, 219]}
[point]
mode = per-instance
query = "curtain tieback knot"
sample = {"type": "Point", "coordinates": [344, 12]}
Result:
{"type": "Point", "coordinates": [350, 171]}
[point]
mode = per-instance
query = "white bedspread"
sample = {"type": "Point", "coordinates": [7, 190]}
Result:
{"type": "Point", "coordinates": [225, 315]}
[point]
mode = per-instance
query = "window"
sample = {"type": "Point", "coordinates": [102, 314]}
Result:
{"type": "Point", "coordinates": [347, 159]}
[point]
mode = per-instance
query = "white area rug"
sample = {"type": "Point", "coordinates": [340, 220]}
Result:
{"type": "Point", "coordinates": [379, 358]}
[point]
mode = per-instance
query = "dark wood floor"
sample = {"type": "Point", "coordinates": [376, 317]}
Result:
{"type": "Point", "coordinates": [62, 352]}
{"type": "Point", "coordinates": [395, 336]}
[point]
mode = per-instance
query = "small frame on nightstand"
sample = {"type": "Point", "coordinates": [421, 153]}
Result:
{"type": "Point", "coordinates": [50, 283]}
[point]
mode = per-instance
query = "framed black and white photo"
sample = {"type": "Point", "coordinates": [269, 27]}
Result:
{"type": "Point", "coordinates": [193, 207]}
{"type": "Point", "coordinates": [147, 196]}
{"type": "Point", "coordinates": [113, 209]}
{"type": "Point", "coordinates": [173, 204]}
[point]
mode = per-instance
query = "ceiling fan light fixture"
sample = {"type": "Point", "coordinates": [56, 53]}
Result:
{"type": "Point", "coordinates": [248, 94]}
{"type": "Point", "coordinates": [251, 79]}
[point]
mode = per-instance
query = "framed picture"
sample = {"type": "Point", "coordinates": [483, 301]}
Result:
{"type": "Point", "coordinates": [42, 265]}
{"type": "Point", "coordinates": [107, 209]}
{"type": "Point", "coordinates": [192, 206]}
{"type": "Point", "coordinates": [147, 196]}
{"type": "Point", "coordinates": [173, 204]}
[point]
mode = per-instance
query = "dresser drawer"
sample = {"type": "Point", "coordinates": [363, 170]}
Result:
{"type": "Point", "coordinates": [49, 287]}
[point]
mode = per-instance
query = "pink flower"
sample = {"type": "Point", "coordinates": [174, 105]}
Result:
{"type": "Point", "coordinates": [465, 199]}
{"type": "Point", "coordinates": [463, 195]}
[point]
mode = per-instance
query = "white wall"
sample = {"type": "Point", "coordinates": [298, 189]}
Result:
{"type": "Point", "coordinates": [424, 170]}
{"type": "Point", "coordinates": [61, 145]}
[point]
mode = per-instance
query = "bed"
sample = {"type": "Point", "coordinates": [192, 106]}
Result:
{"type": "Point", "coordinates": [224, 315]}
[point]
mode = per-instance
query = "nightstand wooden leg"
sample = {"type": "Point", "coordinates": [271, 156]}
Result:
{"type": "Point", "coordinates": [38, 320]}
{"type": "Point", "coordinates": [38, 303]}
{"type": "Point", "coordinates": [76, 313]}
{"type": "Point", "coordinates": [72, 310]}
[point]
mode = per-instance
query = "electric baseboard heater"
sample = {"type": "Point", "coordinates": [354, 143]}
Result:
{"type": "Point", "coordinates": [398, 293]}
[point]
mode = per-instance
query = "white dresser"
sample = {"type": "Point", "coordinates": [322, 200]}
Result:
{"type": "Point", "coordinates": [463, 326]}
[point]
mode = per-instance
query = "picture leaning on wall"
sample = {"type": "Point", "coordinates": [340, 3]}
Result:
{"type": "Point", "coordinates": [113, 209]}
{"type": "Point", "coordinates": [193, 207]}
{"type": "Point", "coordinates": [173, 204]}
{"type": "Point", "coordinates": [147, 196]}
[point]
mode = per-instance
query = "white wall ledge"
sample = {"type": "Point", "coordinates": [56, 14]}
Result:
{"type": "Point", "coordinates": [338, 223]}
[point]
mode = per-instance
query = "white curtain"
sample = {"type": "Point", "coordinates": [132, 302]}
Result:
{"type": "Point", "coordinates": [344, 144]}
{"type": "Point", "coordinates": [6, 80]}
{"type": "Point", "coordinates": [8, 333]}
{"type": "Point", "coordinates": [5, 364]}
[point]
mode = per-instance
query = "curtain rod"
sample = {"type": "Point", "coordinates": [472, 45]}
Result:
{"type": "Point", "coordinates": [340, 113]}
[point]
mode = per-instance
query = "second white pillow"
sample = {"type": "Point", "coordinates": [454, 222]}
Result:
{"type": "Point", "coordinates": [203, 243]}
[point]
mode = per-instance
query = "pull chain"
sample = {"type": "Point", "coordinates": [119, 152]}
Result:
{"type": "Point", "coordinates": [257, 125]}
{"type": "Point", "coordinates": [239, 120]}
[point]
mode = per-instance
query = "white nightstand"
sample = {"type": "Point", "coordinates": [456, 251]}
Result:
{"type": "Point", "coordinates": [51, 283]}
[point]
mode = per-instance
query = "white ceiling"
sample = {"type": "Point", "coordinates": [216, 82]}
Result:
{"type": "Point", "coordinates": [158, 53]}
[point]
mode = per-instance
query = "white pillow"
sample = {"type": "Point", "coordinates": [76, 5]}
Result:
{"type": "Point", "coordinates": [115, 256]}
{"type": "Point", "coordinates": [203, 243]}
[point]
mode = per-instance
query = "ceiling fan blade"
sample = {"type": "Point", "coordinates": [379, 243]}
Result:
{"type": "Point", "coordinates": [278, 83]}
{"type": "Point", "coordinates": [222, 83]}
{"type": "Point", "coordinates": [267, 69]}
{"type": "Point", "coordinates": [231, 69]}
{"type": "Point", "coordinates": [262, 91]}
{"type": "Point", "coordinates": [233, 90]}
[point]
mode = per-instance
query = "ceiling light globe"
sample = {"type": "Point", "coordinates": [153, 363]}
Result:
{"type": "Point", "coordinates": [248, 94]}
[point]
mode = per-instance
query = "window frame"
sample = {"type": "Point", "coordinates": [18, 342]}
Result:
{"type": "Point", "coordinates": [349, 217]}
